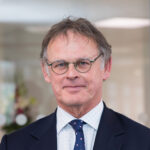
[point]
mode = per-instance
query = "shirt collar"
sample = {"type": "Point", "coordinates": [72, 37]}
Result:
{"type": "Point", "coordinates": [92, 118]}
{"type": "Point", "coordinates": [63, 118]}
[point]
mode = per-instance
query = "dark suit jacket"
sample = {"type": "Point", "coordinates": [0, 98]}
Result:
{"type": "Point", "coordinates": [115, 132]}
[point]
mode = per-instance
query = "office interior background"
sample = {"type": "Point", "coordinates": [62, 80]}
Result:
{"type": "Point", "coordinates": [26, 97]}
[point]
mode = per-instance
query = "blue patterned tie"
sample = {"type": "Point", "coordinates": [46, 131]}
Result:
{"type": "Point", "coordinates": [77, 126]}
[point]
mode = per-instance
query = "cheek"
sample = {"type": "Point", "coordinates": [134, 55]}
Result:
{"type": "Point", "coordinates": [95, 85]}
{"type": "Point", "coordinates": [95, 80]}
{"type": "Point", "coordinates": [56, 84]}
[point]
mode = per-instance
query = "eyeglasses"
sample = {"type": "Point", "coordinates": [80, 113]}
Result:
{"type": "Point", "coordinates": [81, 65]}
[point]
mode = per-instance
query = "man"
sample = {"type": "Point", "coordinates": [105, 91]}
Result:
{"type": "Point", "coordinates": [75, 60]}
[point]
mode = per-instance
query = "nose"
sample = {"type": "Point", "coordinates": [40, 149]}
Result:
{"type": "Point", "coordinates": [72, 73]}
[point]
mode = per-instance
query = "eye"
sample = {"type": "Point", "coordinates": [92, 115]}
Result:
{"type": "Point", "coordinates": [83, 63]}
{"type": "Point", "coordinates": [59, 64]}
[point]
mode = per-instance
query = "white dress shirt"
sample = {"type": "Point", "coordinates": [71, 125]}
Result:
{"type": "Point", "coordinates": [66, 134]}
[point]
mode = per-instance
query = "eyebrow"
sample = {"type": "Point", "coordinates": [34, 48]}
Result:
{"type": "Point", "coordinates": [57, 60]}
{"type": "Point", "coordinates": [61, 60]}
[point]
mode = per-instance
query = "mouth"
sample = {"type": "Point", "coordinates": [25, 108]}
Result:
{"type": "Point", "coordinates": [75, 88]}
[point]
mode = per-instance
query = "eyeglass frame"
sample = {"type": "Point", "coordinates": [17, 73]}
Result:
{"type": "Point", "coordinates": [74, 63]}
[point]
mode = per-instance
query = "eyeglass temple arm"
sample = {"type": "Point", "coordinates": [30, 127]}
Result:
{"type": "Point", "coordinates": [96, 58]}
{"type": "Point", "coordinates": [46, 60]}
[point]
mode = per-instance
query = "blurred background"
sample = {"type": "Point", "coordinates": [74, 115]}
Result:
{"type": "Point", "coordinates": [24, 95]}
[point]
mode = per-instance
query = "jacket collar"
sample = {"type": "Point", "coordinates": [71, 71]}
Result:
{"type": "Point", "coordinates": [109, 136]}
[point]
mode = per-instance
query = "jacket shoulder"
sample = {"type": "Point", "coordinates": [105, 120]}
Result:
{"type": "Point", "coordinates": [25, 136]}
{"type": "Point", "coordinates": [130, 125]}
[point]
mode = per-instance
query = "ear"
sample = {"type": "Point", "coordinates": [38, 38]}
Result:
{"type": "Point", "coordinates": [107, 69]}
{"type": "Point", "coordinates": [46, 72]}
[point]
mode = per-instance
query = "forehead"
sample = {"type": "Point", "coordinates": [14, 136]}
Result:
{"type": "Point", "coordinates": [71, 45]}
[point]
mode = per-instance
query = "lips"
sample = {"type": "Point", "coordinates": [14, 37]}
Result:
{"type": "Point", "coordinates": [73, 88]}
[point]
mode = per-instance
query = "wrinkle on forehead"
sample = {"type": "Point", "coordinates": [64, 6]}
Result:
{"type": "Point", "coordinates": [72, 45]}
{"type": "Point", "coordinates": [71, 35]}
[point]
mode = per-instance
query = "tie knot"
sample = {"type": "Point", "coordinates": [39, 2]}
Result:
{"type": "Point", "coordinates": [77, 124]}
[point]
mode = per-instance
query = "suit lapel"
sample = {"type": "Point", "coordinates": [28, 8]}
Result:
{"type": "Point", "coordinates": [109, 136]}
{"type": "Point", "coordinates": [44, 136]}
{"type": "Point", "coordinates": [110, 133]}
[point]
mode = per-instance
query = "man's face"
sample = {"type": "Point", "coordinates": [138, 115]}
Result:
{"type": "Point", "coordinates": [74, 88]}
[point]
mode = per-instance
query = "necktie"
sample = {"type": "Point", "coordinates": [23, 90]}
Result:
{"type": "Point", "coordinates": [77, 125]}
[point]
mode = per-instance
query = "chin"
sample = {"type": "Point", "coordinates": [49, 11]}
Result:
{"type": "Point", "coordinates": [74, 101]}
